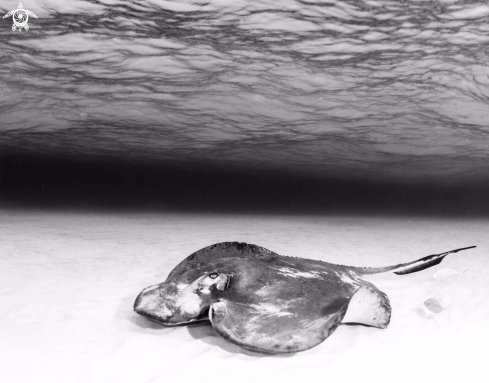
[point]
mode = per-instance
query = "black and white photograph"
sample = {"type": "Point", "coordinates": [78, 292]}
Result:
{"type": "Point", "coordinates": [244, 191]}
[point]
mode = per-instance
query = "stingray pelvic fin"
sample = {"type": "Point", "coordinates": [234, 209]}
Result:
{"type": "Point", "coordinates": [369, 306]}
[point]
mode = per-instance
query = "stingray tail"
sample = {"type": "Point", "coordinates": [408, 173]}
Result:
{"type": "Point", "coordinates": [410, 267]}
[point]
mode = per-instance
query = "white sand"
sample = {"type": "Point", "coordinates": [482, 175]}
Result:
{"type": "Point", "coordinates": [68, 282]}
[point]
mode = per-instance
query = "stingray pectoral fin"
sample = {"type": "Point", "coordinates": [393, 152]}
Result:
{"type": "Point", "coordinates": [267, 329]}
{"type": "Point", "coordinates": [369, 306]}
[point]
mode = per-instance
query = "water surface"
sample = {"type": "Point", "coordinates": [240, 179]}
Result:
{"type": "Point", "coordinates": [359, 89]}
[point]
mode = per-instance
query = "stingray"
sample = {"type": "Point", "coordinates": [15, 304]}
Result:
{"type": "Point", "coordinates": [270, 303]}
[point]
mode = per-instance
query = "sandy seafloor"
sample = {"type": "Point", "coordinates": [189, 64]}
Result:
{"type": "Point", "coordinates": [68, 282]}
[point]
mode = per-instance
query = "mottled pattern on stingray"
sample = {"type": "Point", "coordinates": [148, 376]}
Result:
{"type": "Point", "coordinates": [244, 250]}
{"type": "Point", "coordinates": [271, 311]}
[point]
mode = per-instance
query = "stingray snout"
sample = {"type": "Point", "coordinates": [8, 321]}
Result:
{"type": "Point", "coordinates": [183, 300]}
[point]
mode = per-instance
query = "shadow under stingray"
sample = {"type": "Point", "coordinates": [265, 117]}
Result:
{"type": "Point", "coordinates": [202, 331]}
{"type": "Point", "coordinates": [125, 311]}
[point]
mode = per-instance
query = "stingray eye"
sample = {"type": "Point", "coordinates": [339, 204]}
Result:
{"type": "Point", "coordinates": [213, 275]}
